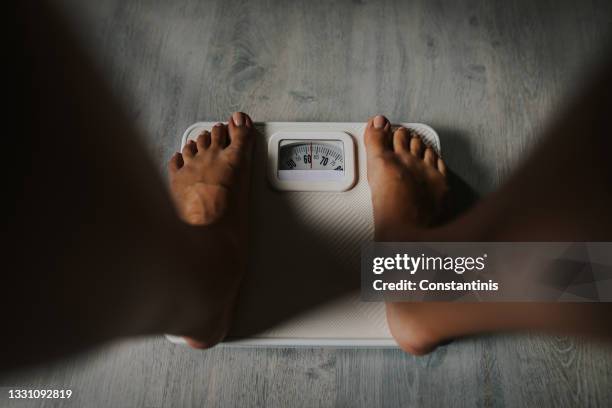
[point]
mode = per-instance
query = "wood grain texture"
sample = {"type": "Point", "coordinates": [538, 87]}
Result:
{"type": "Point", "coordinates": [487, 75]}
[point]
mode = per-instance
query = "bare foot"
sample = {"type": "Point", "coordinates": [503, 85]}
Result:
{"type": "Point", "coordinates": [209, 182]}
{"type": "Point", "coordinates": [407, 179]}
{"type": "Point", "coordinates": [409, 190]}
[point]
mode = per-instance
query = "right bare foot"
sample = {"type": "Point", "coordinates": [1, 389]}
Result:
{"type": "Point", "coordinates": [209, 182]}
{"type": "Point", "coordinates": [409, 190]}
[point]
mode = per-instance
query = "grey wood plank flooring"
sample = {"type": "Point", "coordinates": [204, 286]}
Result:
{"type": "Point", "coordinates": [487, 75]}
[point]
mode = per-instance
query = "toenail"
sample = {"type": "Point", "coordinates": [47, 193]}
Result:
{"type": "Point", "coordinates": [238, 119]}
{"type": "Point", "coordinates": [379, 121]}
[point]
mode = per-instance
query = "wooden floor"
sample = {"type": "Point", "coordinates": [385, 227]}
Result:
{"type": "Point", "coordinates": [486, 76]}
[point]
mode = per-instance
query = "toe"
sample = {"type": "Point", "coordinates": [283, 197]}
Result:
{"type": "Point", "coordinates": [203, 141]}
{"type": "Point", "coordinates": [189, 150]}
{"type": "Point", "coordinates": [441, 166]}
{"type": "Point", "coordinates": [176, 162]}
{"type": "Point", "coordinates": [401, 141]}
{"type": "Point", "coordinates": [239, 127]}
{"type": "Point", "coordinates": [416, 146]}
{"type": "Point", "coordinates": [377, 135]}
{"type": "Point", "coordinates": [430, 157]}
{"type": "Point", "coordinates": [218, 137]}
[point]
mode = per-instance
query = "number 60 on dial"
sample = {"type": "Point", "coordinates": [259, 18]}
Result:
{"type": "Point", "coordinates": [311, 161]}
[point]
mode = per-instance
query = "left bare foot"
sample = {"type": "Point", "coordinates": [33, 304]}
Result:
{"type": "Point", "coordinates": [209, 181]}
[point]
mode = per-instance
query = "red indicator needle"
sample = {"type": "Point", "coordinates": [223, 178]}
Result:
{"type": "Point", "coordinates": [311, 155]}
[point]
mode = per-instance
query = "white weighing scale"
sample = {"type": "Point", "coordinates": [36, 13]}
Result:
{"type": "Point", "coordinates": [310, 214]}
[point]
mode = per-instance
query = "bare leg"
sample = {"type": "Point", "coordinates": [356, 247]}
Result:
{"type": "Point", "coordinates": [94, 238]}
{"type": "Point", "coordinates": [99, 250]}
{"type": "Point", "coordinates": [562, 193]}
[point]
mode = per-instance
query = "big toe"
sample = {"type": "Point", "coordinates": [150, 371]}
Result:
{"type": "Point", "coordinates": [240, 127]}
{"type": "Point", "coordinates": [377, 135]}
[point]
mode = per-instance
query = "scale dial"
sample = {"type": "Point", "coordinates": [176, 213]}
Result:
{"type": "Point", "coordinates": [311, 161]}
{"type": "Point", "coordinates": [315, 155]}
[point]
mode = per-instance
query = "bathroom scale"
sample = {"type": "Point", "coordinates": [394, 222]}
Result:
{"type": "Point", "coordinates": [310, 215]}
